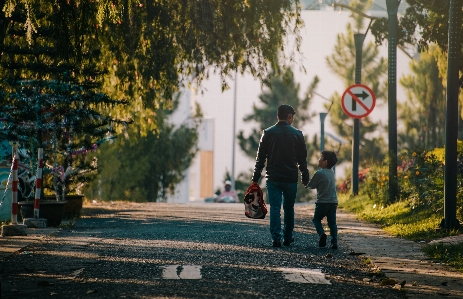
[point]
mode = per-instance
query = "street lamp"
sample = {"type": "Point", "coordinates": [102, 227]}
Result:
{"type": "Point", "coordinates": [392, 9]}
{"type": "Point", "coordinates": [322, 121]}
{"type": "Point", "coordinates": [233, 135]}
{"type": "Point", "coordinates": [322, 130]}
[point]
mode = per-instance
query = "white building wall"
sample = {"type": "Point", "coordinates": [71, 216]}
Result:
{"type": "Point", "coordinates": [189, 189]}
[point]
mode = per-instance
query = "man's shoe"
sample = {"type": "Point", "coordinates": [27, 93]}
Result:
{"type": "Point", "coordinates": [288, 242]}
{"type": "Point", "coordinates": [276, 243]}
{"type": "Point", "coordinates": [334, 246]}
{"type": "Point", "coordinates": [322, 241]}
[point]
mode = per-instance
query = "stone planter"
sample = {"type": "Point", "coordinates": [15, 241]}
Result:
{"type": "Point", "coordinates": [53, 211]}
{"type": "Point", "coordinates": [72, 207]}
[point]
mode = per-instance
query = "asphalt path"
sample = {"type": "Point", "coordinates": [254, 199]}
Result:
{"type": "Point", "coordinates": [207, 250]}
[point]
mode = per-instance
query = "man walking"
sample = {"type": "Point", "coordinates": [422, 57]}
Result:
{"type": "Point", "coordinates": [284, 149]}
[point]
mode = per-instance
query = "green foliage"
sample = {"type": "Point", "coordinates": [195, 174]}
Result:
{"type": "Point", "coordinates": [451, 254]}
{"type": "Point", "coordinates": [153, 48]}
{"type": "Point", "coordinates": [420, 178]}
{"type": "Point", "coordinates": [50, 90]}
{"type": "Point", "coordinates": [401, 219]}
{"type": "Point", "coordinates": [145, 51]}
{"type": "Point", "coordinates": [145, 168]}
{"type": "Point", "coordinates": [423, 114]}
{"type": "Point", "coordinates": [425, 23]}
{"type": "Point", "coordinates": [420, 208]}
{"type": "Point", "coordinates": [282, 90]}
{"type": "Point", "coordinates": [428, 18]}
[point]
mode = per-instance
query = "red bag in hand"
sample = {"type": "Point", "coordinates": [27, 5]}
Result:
{"type": "Point", "coordinates": [254, 205]}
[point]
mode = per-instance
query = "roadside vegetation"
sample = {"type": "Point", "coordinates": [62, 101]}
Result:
{"type": "Point", "coordinates": [418, 213]}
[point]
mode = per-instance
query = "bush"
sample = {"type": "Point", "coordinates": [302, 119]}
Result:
{"type": "Point", "coordinates": [420, 177]}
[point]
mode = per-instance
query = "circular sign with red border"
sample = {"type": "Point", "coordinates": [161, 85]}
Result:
{"type": "Point", "coordinates": [358, 101]}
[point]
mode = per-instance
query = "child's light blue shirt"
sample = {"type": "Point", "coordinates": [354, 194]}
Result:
{"type": "Point", "coordinates": [324, 181]}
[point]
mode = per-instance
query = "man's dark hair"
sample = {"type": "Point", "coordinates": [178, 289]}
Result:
{"type": "Point", "coordinates": [285, 110]}
{"type": "Point", "coordinates": [331, 157]}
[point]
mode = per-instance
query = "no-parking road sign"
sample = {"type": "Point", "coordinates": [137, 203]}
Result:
{"type": "Point", "coordinates": [358, 101]}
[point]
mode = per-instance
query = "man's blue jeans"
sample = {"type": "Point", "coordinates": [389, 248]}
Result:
{"type": "Point", "coordinates": [279, 193]}
{"type": "Point", "coordinates": [328, 210]}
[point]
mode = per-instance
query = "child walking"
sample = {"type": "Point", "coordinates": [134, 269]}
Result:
{"type": "Point", "coordinates": [327, 199]}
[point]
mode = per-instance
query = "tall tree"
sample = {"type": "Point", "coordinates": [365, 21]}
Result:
{"type": "Point", "coordinates": [283, 90]}
{"type": "Point", "coordinates": [342, 63]}
{"type": "Point", "coordinates": [423, 114]}
{"type": "Point", "coordinates": [150, 49]}
{"type": "Point", "coordinates": [51, 89]}
{"type": "Point", "coordinates": [155, 163]}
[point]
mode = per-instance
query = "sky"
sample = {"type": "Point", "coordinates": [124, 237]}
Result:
{"type": "Point", "coordinates": [318, 40]}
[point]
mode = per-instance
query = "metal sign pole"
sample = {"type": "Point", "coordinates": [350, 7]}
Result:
{"type": "Point", "coordinates": [358, 38]}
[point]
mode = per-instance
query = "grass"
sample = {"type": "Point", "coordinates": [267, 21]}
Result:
{"type": "Point", "coordinates": [68, 224]}
{"type": "Point", "coordinates": [450, 254]}
{"type": "Point", "coordinates": [403, 220]}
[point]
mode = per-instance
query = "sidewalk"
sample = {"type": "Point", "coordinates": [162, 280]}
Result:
{"type": "Point", "coordinates": [401, 259]}
{"type": "Point", "coordinates": [9, 245]}
{"type": "Point", "coordinates": [398, 259]}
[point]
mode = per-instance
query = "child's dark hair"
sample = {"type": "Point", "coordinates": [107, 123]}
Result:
{"type": "Point", "coordinates": [331, 157]}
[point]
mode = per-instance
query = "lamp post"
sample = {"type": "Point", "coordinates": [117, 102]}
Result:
{"type": "Point", "coordinates": [233, 135]}
{"type": "Point", "coordinates": [322, 130]}
{"type": "Point", "coordinates": [322, 121]}
{"type": "Point", "coordinates": [392, 9]}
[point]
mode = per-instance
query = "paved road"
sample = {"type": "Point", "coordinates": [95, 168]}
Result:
{"type": "Point", "coordinates": [184, 251]}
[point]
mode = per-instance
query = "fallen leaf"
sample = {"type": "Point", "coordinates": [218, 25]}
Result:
{"type": "Point", "coordinates": [44, 283]}
{"type": "Point", "coordinates": [356, 253]}
{"type": "Point", "coordinates": [388, 282]}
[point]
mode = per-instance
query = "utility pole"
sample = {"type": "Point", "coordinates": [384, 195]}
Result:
{"type": "Point", "coordinates": [451, 119]}
{"type": "Point", "coordinates": [392, 9]}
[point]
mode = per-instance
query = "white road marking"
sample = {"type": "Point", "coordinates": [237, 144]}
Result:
{"type": "Point", "coordinates": [301, 275]}
{"type": "Point", "coordinates": [181, 272]}
{"type": "Point", "coordinates": [297, 275]}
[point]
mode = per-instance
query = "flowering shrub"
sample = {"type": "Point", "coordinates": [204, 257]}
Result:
{"type": "Point", "coordinates": [345, 186]}
{"type": "Point", "coordinates": [420, 178]}
{"type": "Point", "coordinates": [422, 181]}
